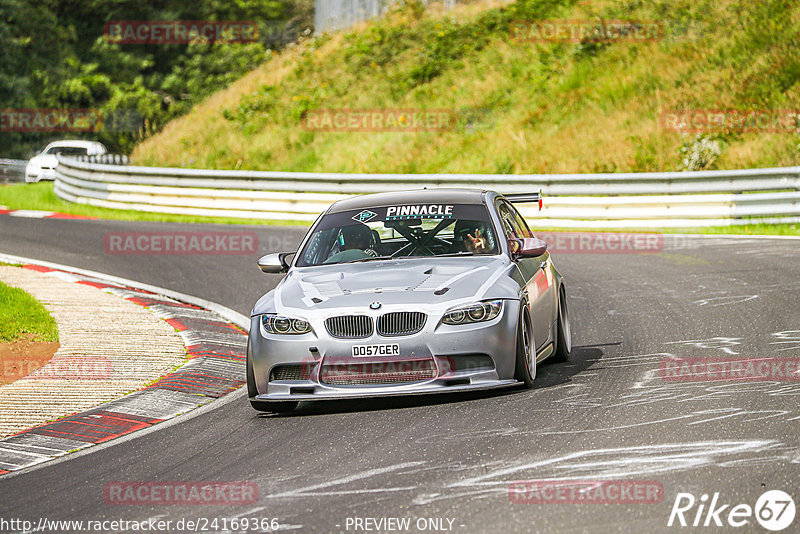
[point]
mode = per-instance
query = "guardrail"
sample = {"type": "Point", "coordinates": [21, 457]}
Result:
{"type": "Point", "coordinates": [12, 170]}
{"type": "Point", "coordinates": [631, 200]}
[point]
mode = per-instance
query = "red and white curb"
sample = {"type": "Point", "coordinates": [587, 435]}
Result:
{"type": "Point", "coordinates": [34, 214]}
{"type": "Point", "coordinates": [216, 347]}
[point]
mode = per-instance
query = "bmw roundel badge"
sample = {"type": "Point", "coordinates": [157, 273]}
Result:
{"type": "Point", "coordinates": [375, 306]}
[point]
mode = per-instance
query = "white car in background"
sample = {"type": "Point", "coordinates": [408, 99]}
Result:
{"type": "Point", "coordinates": [43, 165]}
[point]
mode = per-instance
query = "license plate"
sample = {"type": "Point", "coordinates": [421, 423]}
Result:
{"type": "Point", "coordinates": [363, 351]}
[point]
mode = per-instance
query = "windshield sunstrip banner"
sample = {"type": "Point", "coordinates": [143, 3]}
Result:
{"type": "Point", "coordinates": [406, 212]}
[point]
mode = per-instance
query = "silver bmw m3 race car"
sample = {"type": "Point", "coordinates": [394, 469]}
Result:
{"type": "Point", "coordinates": [407, 293]}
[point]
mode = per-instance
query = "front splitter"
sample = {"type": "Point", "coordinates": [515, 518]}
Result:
{"type": "Point", "coordinates": [372, 392]}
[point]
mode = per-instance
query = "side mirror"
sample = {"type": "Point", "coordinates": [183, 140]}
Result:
{"type": "Point", "coordinates": [274, 263]}
{"type": "Point", "coordinates": [530, 247]}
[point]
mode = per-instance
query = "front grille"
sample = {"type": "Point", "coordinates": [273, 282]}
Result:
{"type": "Point", "coordinates": [292, 371]}
{"type": "Point", "coordinates": [377, 373]}
{"type": "Point", "coordinates": [349, 326]}
{"type": "Point", "coordinates": [401, 323]}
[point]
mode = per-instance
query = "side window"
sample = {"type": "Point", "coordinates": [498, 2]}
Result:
{"type": "Point", "coordinates": [514, 226]}
{"type": "Point", "coordinates": [522, 226]}
{"type": "Point", "coordinates": [505, 219]}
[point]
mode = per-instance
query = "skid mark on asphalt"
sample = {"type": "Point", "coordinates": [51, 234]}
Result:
{"type": "Point", "coordinates": [652, 389]}
{"type": "Point", "coordinates": [615, 362]}
{"type": "Point", "coordinates": [369, 473]}
{"type": "Point", "coordinates": [724, 301]}
{"type": "Point", "coordinates": [721, 343]}
{"type": "Point", "coordinates": [697, 417]}
{"type": "Point", "coordinates": [493, 480]}
{"type": "Point", "coordinates": [789, 340]}
{"type": "Point", "coordinates": [485, 480]}
{"type": "Point", "coordinates": [625, 462]}
{"type": "Point", "coordinates": [651, 385]}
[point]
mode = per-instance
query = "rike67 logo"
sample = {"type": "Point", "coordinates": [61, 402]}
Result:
{"type": "Point", "coordinates": [774, 510]}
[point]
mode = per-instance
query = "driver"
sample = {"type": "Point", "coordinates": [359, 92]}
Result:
{"type": "Point", "coordinates": [357, 237]}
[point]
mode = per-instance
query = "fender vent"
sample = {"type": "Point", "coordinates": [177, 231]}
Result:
{"type": "Point", "coordinates": [291, 371]}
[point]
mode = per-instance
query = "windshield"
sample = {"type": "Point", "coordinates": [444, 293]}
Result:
{"type": "Point", "coordinates": [400, 231]}
{"type": "Point", "coordinates": [68, 151]}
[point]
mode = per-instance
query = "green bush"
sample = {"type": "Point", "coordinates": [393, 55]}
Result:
{"type": "Point", "coordinates": [54, 55]}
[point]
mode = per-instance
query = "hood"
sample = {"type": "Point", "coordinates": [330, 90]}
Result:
{"type": "Point", "coordinates": [47, 160]}
{"type": "Point", "coordinates": [404, 283]}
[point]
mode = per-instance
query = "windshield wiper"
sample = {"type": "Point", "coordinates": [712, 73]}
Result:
{"type": "Point", "coordinates": [370, 258]}
{"type": "Point", "coordinates": [454, 254]}
{"type": "Point", "coordinates": [377, 258]}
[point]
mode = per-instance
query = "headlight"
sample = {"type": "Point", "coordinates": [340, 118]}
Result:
{"type": "Point", "coordinates": [278, 324]}
{"type": "Point", "coordinates": [474, 313]}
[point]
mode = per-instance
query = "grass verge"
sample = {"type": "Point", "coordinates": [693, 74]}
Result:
{"type": "Point", "coordinates": [21, 314]}
{"type": "Point", "coordinates": [40, 196]}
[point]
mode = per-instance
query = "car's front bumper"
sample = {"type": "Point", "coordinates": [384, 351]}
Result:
{"type": "Point", "coordinates": [37, 175]}
{"type": "Point", "coordinates": [444, 345]}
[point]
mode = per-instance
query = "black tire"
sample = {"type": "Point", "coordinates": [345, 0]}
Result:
{"type": "Point", "coordinates": [526, 351]}
{"type": "Point", "coordinates": [564, 329]}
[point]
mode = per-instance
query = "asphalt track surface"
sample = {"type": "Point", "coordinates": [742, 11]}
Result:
{"type": "Point", "coordinates": [605, 415]}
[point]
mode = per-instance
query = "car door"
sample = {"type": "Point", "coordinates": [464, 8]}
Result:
{"type": "Point", "coordinates": [537, 274]}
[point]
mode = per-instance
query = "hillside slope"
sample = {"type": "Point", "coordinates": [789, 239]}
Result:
{"type": "Point", "coordinates": [520, 107]}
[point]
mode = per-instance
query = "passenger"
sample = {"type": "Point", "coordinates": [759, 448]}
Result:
{"type": "Point", "coordinates": [474, 236]}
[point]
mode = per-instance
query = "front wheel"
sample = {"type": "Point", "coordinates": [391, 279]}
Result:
{"type": "Point", "coordinates": [525, 371]}
{"type": "Point", "coordinates": [564, 334]}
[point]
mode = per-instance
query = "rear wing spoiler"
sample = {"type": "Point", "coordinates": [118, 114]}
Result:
{"type": "Point", "coordinates": [520, 198]}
